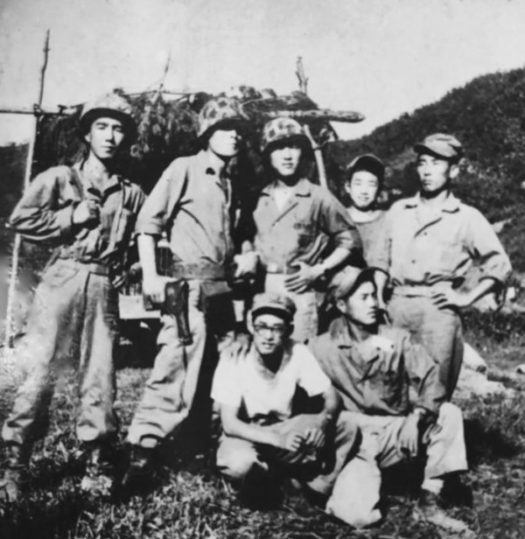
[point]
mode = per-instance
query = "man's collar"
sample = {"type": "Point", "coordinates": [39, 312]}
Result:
{"type": "Point", "coordinates": [450, 205]}
{"type": "Point", "coordinates": [302, 188]}
{"type": "Point", "coordinates": [339, 332]}
{"type": "Point", "coordinates": [115, 180]}
{"type": "Point", "coordinates": [209, 165]}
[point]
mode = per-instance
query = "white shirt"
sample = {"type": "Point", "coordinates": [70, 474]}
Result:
{"type": "Point", "coordinates": [245, 381]}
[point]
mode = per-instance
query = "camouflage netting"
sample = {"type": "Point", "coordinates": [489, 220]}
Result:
{"type": "Point", "coordinates": [167, 126]}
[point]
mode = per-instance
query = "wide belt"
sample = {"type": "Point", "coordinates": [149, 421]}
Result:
{"type": "Point", "coordinates": [278, 269]}
{"type": "Point", "coordinates": [211, 272]}
{"type": "Point", "coordinates": [92, 267]}
{"type": "Point", "coordinates": [420, 290]}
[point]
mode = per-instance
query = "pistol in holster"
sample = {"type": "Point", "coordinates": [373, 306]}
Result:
{"type": "Point", "coordinates": [176, 304]}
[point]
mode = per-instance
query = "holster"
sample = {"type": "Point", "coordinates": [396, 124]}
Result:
{"type": "Point", "coordinates": [176, 305]}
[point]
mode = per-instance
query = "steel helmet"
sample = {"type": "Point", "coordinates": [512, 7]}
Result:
{"type": "Point", "coordinates": [221, 112]}
{"type": "Point", "coordinates": [281, 130]}
{"type": "Point", "coordinates": [112, 105]}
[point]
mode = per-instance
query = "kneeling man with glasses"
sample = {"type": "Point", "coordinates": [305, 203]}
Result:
{"type": "Point", "coordinates": [267, 433]}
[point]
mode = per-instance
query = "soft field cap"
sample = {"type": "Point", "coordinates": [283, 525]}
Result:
{"type": "Point", "coordinates": [273, 303]}
{"type": "Point", "coordinates": [344, 282]}
{"type": "Point", "coordinates": [369, 162]}
{"type": "Point", "coordinates": [442, 145]}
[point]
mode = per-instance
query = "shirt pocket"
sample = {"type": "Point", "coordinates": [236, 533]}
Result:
{"type": "Point", "coordinates": [305, 235]}
{"type": "Point", "coordinates": [386, 386]}
{"type": "Point", "coordinates": [122, 228]}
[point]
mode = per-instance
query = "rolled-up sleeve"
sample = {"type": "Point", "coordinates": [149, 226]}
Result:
{"type": "Point", "coordinates": [38, 216]}
{"type": "Point", "coordinates": [336, 223]}
{"type": "Point", "coordinates": [163, 201]}
{"type": "Point", "coordinates": [484, 245]}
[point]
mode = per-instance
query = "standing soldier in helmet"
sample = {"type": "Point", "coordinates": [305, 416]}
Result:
{"type": "Point", "coordinates": [192, 202]}
{"type": "Point", "coordinates": [301, 230]}
{"type": "Point", "coordinates": [88, 211]}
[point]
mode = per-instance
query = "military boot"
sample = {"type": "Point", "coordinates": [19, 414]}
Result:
{"type": "Point", "coordinates": [98, 479]}
{"type": "Point", "coordinates": [428, 509]}
{"type": "Point", "coordinates": [140, 469]}
{"type": "Point", "coordinates": [13, 474]}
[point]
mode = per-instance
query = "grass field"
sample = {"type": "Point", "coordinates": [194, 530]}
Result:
{"type": "Point", "coordinates": [190, 501]}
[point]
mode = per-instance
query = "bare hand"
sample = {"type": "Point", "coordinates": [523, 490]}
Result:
{"type": "Point", "coordinates": [302, 279]}
{"type": "Point", "coordinates": [451, 299]}
{"type": "Point", "coordinates": [290, 441]}
{"type": "Point", "coordinates": [246, 264]}
{"type": "Point", "coordinates": [408, 441]}
{"type": "Point", "coordinates": [239, 347]}
{"type": "Point", "coordinates": [154, 288]}
{"type": "Point", "coordinates": [314, 437]}
{"type": "Point", "coordinates": [87, 212]}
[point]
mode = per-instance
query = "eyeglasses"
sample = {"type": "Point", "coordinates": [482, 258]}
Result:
{"type": "Point", "coordinates": [274, 330]}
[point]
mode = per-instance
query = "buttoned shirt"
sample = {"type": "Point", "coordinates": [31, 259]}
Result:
{"type": "Point", "coordinates": [192, 202]}
{"type": "Point", "coordinates": [385, 374]}
{"type": "Point", "coordinates": [422, 248]}
{"type": "Point", "coordinates": [310, 221]}
{"type": "Point", "coordinates": [45, 214]}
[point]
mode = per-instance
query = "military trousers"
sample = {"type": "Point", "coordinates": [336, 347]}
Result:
{"type": "Point", "coordinates": [356, 493]}
{"type": "Point", "coordinates": [73, 317]}
{"type": "Point", "coordinates": [306, 318]}
{"type": "Point", "coordinates": [438, 330]}
{"type": "Point", "coordinates": [172, 386]}
{"type": "Point", "coordinates": [319, 472]}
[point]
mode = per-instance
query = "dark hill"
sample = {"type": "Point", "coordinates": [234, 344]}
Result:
{"type": "Point", "coordinates": [488, 116]}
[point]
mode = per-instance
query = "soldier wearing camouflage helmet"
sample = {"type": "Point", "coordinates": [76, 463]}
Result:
{"type": "Point", "coordinates": [296, 223]}
{"type": "Point", "coordinates": [192, 202]}
{"type": "Point", "coordinates": [87, 212]}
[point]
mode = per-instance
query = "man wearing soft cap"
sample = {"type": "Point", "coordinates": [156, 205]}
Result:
{"type": "Point", "coordinates": [430, 242]}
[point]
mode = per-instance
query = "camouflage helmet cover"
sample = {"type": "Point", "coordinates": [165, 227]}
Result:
{"type": "Point", "coordinates": [112, 105]}
{"type": "Point", "coordinates": [220, 111]}
{"type": "Point", "coordinates": [281, 130]}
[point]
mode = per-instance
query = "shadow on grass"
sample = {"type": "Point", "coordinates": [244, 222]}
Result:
{"type": "Point", "coordinates": [43, 515]}
{"type": "Point", "coordinates": [488, 442]}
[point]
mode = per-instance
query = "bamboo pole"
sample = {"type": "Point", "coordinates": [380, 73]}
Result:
{"type": "Point", "coordinates": [9, 337]}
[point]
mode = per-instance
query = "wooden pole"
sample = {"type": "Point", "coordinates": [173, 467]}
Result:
{"type": "Point", "coordinates": [9, 337]}
{"type": "Point", "coordinates": [301, 76]}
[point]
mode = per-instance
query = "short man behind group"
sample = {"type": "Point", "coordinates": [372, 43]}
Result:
{"type": "Point", "coordinates": [392, 389]}
{"type": "Point", "coordinates": [266, 435]}
{"type": "Point", "coordinates": [88, 212]}
{"type": "Point", "coordinates": [430, 242]}
{"type": "Point", "coordinates": [363, 184]}
{"type": "Point", "coordinates": [301, 230]}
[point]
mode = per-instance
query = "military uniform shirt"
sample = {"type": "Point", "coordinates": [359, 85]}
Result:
{"type": "Point", "coordinates": [192, 202]}
{"type": "Point", "coordinates": [300, 231]}
{"type": "Point", "coordinates": [45, 214]}
{"type": "Point", "coordinates": [418, 250]}
{"type": "Point", "coordinates": [378, 376]}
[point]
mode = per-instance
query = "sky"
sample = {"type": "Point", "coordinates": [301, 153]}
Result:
{"type": "Point", "coordinates": [379, 57]}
